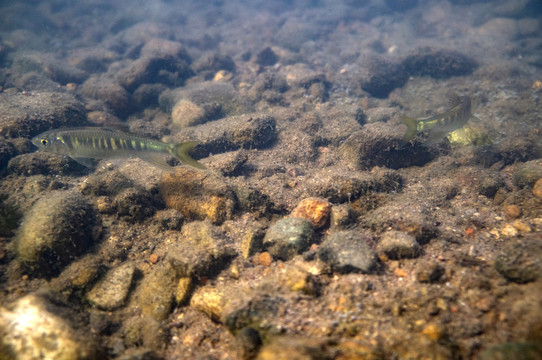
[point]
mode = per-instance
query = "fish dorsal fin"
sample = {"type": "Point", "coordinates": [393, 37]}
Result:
{"type": "Point", "coordinates": [455, 100]}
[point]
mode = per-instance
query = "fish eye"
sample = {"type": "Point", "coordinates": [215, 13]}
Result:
{"type": "Point", "coordinates": [44, 142]}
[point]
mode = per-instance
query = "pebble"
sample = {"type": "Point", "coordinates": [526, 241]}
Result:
{"type": "Point", "coordinates": [315, 210]}
{"type": "Point", "coordinates": [398, 245]}
{"type": "Point", "coordinates": [288, 237]}
{"type": "Point", "coordinates": [264, 259]}
{"type": "Point", "coordinates": [201, 249]}
{"type": "Point", "coordinates": [184, 290]}
{"type": "Point", "coordinates": [512, 211]}
{"type": "Point", "coordinates": [509, 230]}
{"type": "Point", "coordinates": [32, 329]}
{"type": "Point", "coordinates": [429, 272]}
{"type": "Point", "coordinates": [522, 226]}
{"type": "Point", "coordinates": [111, 292]}
{"type": "Point", "coordinates": [252, 240]}
{"type": "Point", "coordinates": [248, 342]}
{"type": "Point", "coordinates": [154, 295]}
{"type": "Point", "coordinates": [58, 228]}
{"type": "Point", "coordinates": [348, 251]}
{"type": "Point", "coordinates": [300, 280]}
{"type": "Point", "coordinates": [210, 301]}
{"type": "Point", "coordinates": [342, 216]}
{"type": "Point", "coordinates": [519, 261]}
{"type": "Point", "coordinates": [537, 188]}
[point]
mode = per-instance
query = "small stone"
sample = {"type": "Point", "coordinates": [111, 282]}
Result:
{"type": "Point", "coordinates": [248, 343]}
{"type": "Point", "coordinates": [348, 251]}
{"type": "Point", "coordinates": [429, 272]}
{"type": "Point", "coordinates": [154, 294]}
{"type": "Point", "coordinates": [490, 184]}
{"type": "Point", "coordinates": [528, 173]}
{"type": "Point", "coordinates": [31, 329]}
{"type": "Point", "coordinates": [341, 216]}
{"type": "Point", "coordinates": [153, 258]}
{"type": "Point", "coordinates": [519, 260]}
{"type": "Point", "coordinates": [433, 331]}
{"type": "Point", "coordinates": [111, 292]}
{"type": "Point", "coordinates": [297, 279]}
{"type": "Point", "coordinates": [315, 210]}
{"type": "Point", "coordinates": [201, 249]}
{"type": "Point", "coordinates": [288, 237]}
{"type": "Point", "coordinates": [509, 231]}
{"type": "Point", "coordinates": [210, 301]}
{"type": "Point", "coordinates": [264, 259]}
{"type": "Point", "coordinates": [537, 188]}
{"type": "Point", "coordinates": [252, 240]}
{"type": "Point", "coordinates": [184, 290]}
{"type": "Point", "coordinates": [522, 226]}
{"type": "Point", "coordinates": [512, 211]}
{"type": "Point", "coordinates": [398, 245]}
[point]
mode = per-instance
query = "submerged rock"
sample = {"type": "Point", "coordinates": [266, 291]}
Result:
{"type": "Point", "coordinates": [288, 237]}
{"type": "Point", "coordinates": [200, 250]}
{"type": "Point", "coordinates": [380, 76]}
{"type": "Point", "coordinates": [398, 245]}
{"type": "Point", "coordinates": [381, 144]}
{"type": "Point", "coordinates": [28, 114]}
{"type": "Point", "coordinates": [58, 228]}
{"type": "Point", "coordinates": [111, 292]}
{"type": "Point", "coordinates": [348, 251]}
{"type": "Point", "coordinates": [315, 210]}
{"type": "Point", "coordinates": [520, 260]}
{"type": "Point", "coordinates": [33, 328]}
{"type": "Point", "coordinates": [438, 63]}
{"type": "Point", "coordinates": [198, 195]}
{"type": "Point", "coordinates": [155, 294]}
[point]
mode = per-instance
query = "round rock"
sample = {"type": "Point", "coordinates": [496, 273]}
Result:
{"type": "Point", "coordinates": [288, 237]}
{"type": "Point", "coordinates": [348, 251]}
{"type": "Point", "coordinates": [59, 227]}
{"type": "Point", "coordinates": [398, 245]}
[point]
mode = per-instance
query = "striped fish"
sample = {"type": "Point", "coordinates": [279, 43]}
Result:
{"type": "Point", "coordinates": [85, 144]}
{"type": "Point", "coordinates": [439, 126]}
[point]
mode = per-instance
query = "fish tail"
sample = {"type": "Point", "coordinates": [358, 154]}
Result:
{"type": "Point", "coordinates": [412, 128]}
{"type": "Point", "coordinates": [180, 151]}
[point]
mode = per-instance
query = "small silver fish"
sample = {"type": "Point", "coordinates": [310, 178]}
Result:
{"type": "Point", "coordinates": [87, 143]}
{"type": "Point", "coordinates": [439, 126]}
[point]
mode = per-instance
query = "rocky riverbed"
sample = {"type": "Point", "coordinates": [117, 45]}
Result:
{"type": "Point", "coordinates": [315, 232]}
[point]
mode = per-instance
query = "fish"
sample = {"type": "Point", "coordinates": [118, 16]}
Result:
{"type": "Point", "coordinates": [88, 143]}
{"type": "Point", "coordinates": [439, 126]}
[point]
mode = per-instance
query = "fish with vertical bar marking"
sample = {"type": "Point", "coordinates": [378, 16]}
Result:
{"type": "Point", "coordinates": [439, 126]}
{"type": "Point", "coordinates": [85, 144]}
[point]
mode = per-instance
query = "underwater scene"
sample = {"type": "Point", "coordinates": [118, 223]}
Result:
{"type": "Point", "coordinates": [288, 179]}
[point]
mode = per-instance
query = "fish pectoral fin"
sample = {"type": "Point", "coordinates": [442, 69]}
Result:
{"type": "Point", "coordinates": [85, 161]}
{"type": "Point", "coordinates": [158, 160]}
{"type": "Point", "coordinates": [473, 118]}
